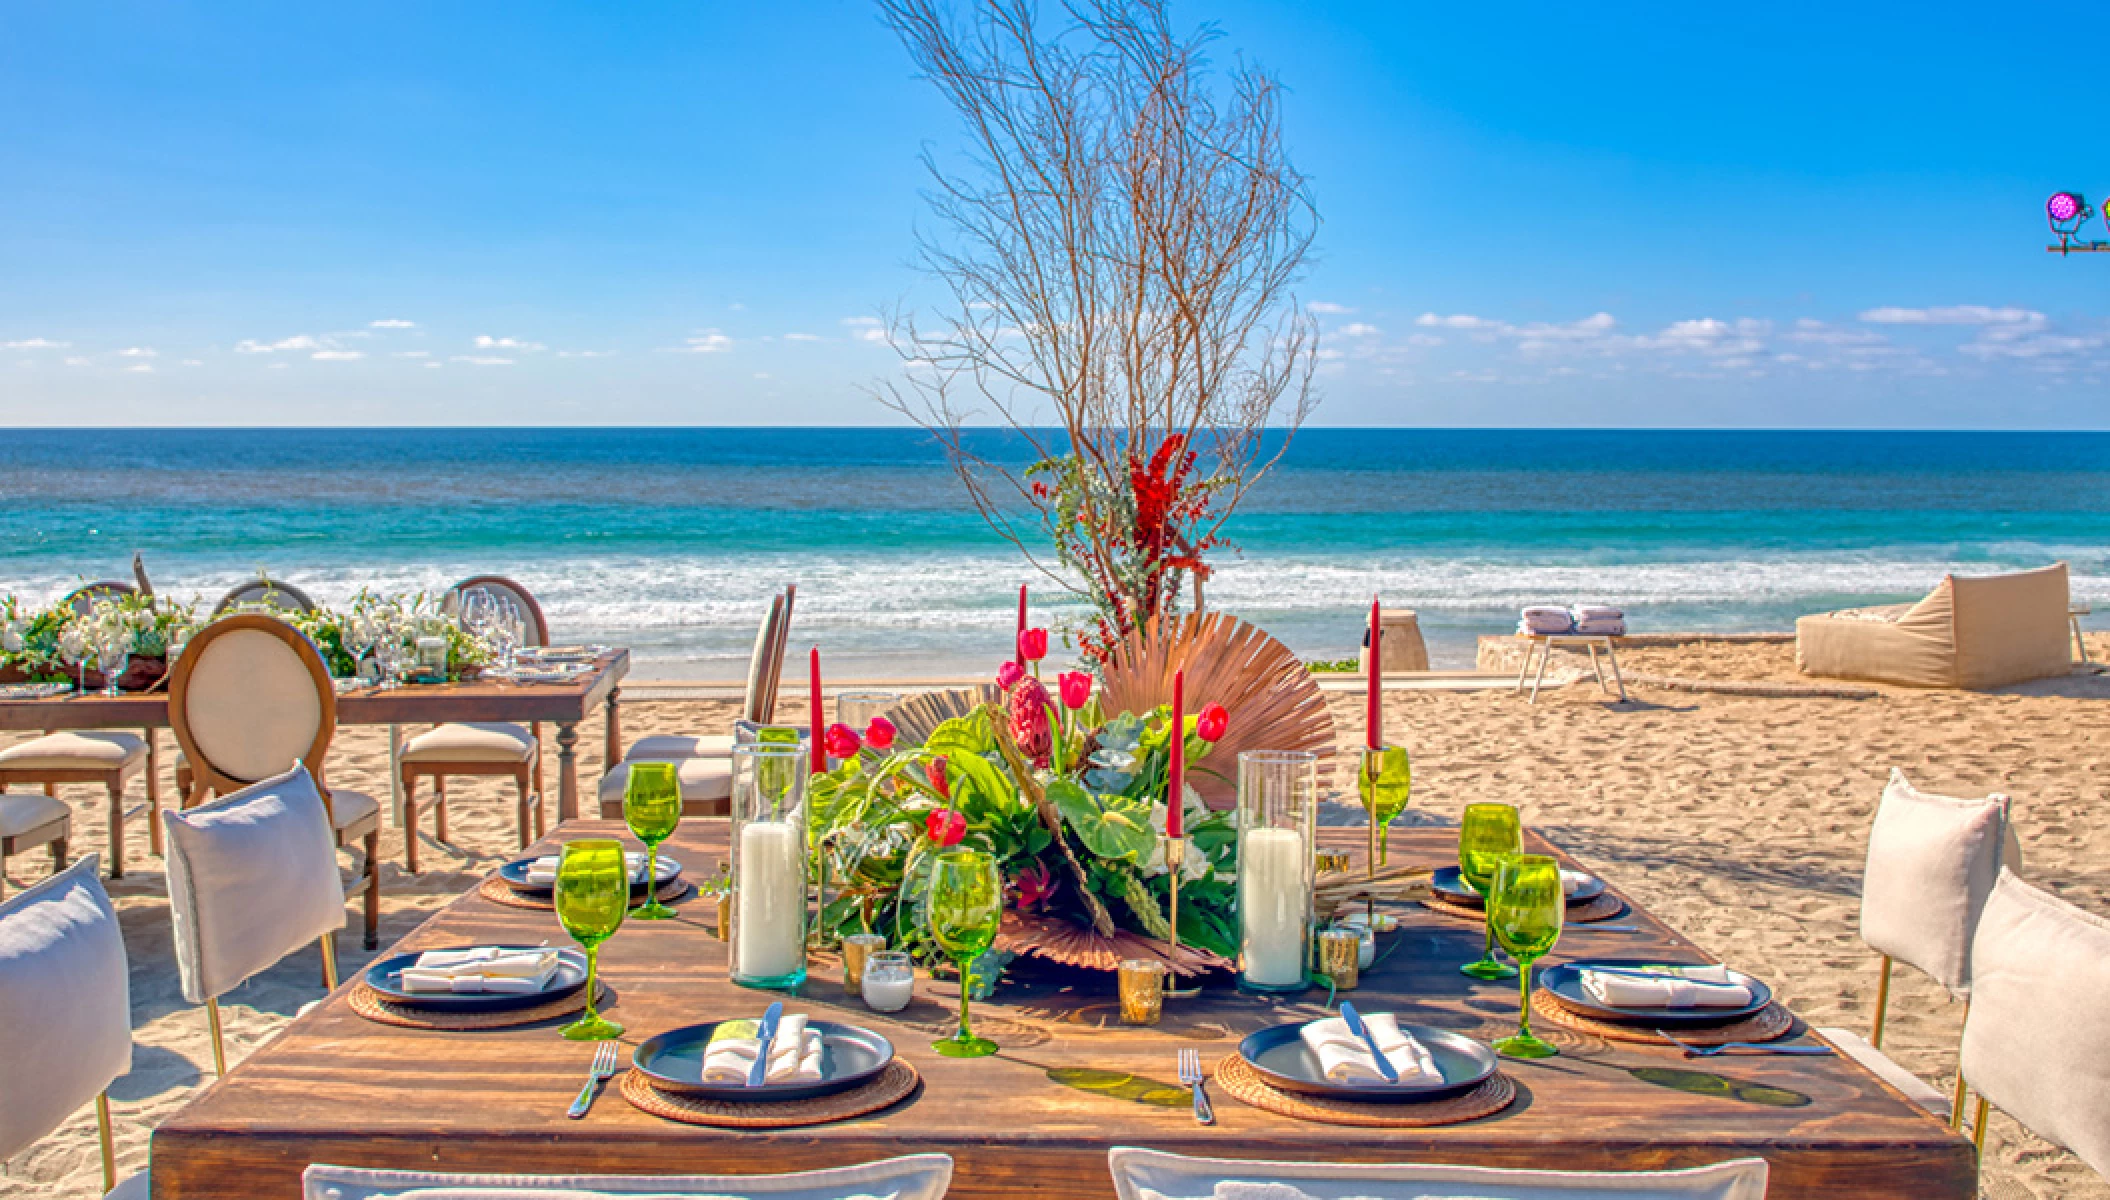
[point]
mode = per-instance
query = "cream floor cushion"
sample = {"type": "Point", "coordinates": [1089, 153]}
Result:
{"type": "Point", "coordinates": [472, 741]}
{"type": "Point", "coordinates": [701, 779]}
{"type": "Point", "coordinates": [65, 1003]}
{"type": "Point", "coordinates": [913, 1177]}
{"type": "Point", "coordinates": [21, 812]}
{"type": "Point", "coordinates": [1156, 1175]}
{"type": "Point", "coordinates": [78, 750]}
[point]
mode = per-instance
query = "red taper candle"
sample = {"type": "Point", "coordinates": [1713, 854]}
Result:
{"type": "Point", "coordinates": [1017, 655]}
{"type": "Point", "coordinates": [817, 757]}
{"type": "Point", "coordinates": [1176, 781]}
{"type": "Point", "coordinates": [1374, 714]}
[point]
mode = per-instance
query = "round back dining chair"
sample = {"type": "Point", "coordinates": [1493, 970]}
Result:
{"type": "Point", "coordinates": [83, 599]}
{"type": "Point", "coordinates": [503, 588]}
{"type": "Point", "coordinates": [265, 592]}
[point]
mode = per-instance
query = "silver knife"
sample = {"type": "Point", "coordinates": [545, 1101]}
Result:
{"type": "Point", "coordinates": [1356, 1027]}
{"type": "Point", "coordinates": [757, 1074]}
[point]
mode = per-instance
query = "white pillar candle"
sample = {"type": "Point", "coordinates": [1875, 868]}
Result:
{"type": "Point", "coordinates": [889, 995]}
{"type": "Point", "coordinates": [1271, 906]}
{"type": "Point", "coordinates": [771, 909]}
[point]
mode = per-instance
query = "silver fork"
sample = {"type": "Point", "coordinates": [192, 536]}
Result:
{"type": "Point", "coordinates": [1692, 1051]}
{"type": "Point", "coordinates": [1192, 1078]}
{"type": "Point", "coordinates": [603, 1069]}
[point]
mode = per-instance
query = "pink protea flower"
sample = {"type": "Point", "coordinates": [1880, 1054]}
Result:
{"type": "Point", "coordinates": [1029, 720]}
{"type": "Point", "coordinates": [936, 770]}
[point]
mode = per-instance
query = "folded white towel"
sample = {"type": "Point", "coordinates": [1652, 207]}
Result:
{"type": "Point", "coordinates": [1345, 1058]}
{"type": "Point", "coordinates": [1543, 619]}
{"type": "Point", "coordinates": [543, 871]}
{"type": "Point", "coordinates": [1665, 987]}
{"type": "Point", "coordinates": [1602, 627]}
{"type": "Point", "coordinates": [481, 969]}
{"type": "Point", "coordinates": [1598, 612]}
{"type": "Point", "coordinates": [793, 1053]}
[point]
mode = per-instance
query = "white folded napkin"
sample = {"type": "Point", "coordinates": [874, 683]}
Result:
{"type": "Point", "coordinates": [793, 1053]}
{"type": "Point", "coordinates": [543, 871]}
{"type": "Point", "coordinates": [1571, 881]}
{"type": "Point", "coordinates": [1345, 1058]}
{"type": "Point", "coordinates": [1665, 987]}
{"type": "Point", "coordinates": [481, 969]}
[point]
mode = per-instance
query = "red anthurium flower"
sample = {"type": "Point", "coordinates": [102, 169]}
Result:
{"type": "Point", "coordinates": [840, 741]}
{"type": "Point", "coordinates": [945, 827]}
{"type": "Point", "coordinates": [1076, 689]}
{"type": "Point", "coordinates": [879, 735]}
{"type": "Point", "coordinates": [1033, 644]}
{"type": "Point", "coordinates": [936, 771]}
{"type": "Point", "coordinates": [1211, 723]}
{"type": "Point", "coordinates": [1009, 674]}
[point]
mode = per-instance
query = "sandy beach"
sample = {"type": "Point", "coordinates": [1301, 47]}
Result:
{"type": "Point", "coordinates": [1740, 819]}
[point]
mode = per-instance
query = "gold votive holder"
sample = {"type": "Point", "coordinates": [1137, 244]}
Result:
{"type": "Point", "coordinates": [1340, 956]}
{"type": "Point", "coordinates": [1142, 991]}
{"type": "Point", "coordinates": [858, 948]}
{"type": "Point", "coordinates": [725, 915]}
{"type": "Point", "coordinates": [1331, 860]}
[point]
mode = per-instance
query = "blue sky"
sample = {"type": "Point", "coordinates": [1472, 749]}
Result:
{"type": "Point", "coordinates": [1675, 215]}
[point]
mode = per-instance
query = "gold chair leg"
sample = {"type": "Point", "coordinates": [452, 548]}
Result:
{"type": "Point", "coordinates": [1875, 1035]}
{"type": "Point", "coordinates": [1978, 1128]}
{"type": "Point", "coordinates": [1956, 1103]}
{"type": "Point", "coordinates": [102, 1129]}
{"type": "Point", "coordinates": [329, 961]}
{"type": "Point", "coordinates": [219, 1046]}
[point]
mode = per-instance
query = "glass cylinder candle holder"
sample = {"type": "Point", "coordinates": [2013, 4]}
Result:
{"type": "Point", "coordinates": [889, 981]}
{"type": "Point", "coordinates": [769, 865]}
{"type": "Point", "coordinates": [1340, 957]}
{"type": "Point", "coordinates": [1278, 795]}
{"type": "Point", "coordinates": [856, 709]}
{"type": "Point", "coordinates": [858, 949]}
{"type": "Point", "coordinates": [1142, 984]}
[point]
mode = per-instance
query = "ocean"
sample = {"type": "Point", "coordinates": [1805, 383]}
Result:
{"type": "Point", "coordinates": [670, 541]}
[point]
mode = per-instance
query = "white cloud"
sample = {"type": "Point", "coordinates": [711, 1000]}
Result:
{"type": "Point", "coordinates": [336, 355]}
{"type": "Point", "coordinates": [79, 361]}
{"type": "Point", "coordinates": [1455, 321]}
{"type": "Point", "coordinates": [193, 362]}
{"type": "Point", "coordinates": [1423, 339]}
{"type": "Point", "coordinates": [1326, 308]}
{"type": "Point", "coordinates": [1817, 333]}
{"type": "Point", "coordinates": [299, 341]}
{"type": "Point", "coordinates": [485, 341]}
{"type": "Point", "coordinates": [802, 337]}
{"type": "Point", "coordinates": [865, 329]}
{"type": "Point", "coordinates": [138, 352]}
{"type": "Point", "coordinates": [392, 323]}
{"type": "Point", "coordinates": [434, 365]}
{"type": "Point", "coordinates": [585, 353]}
{"type": "Point", "coordinates": [140, 369]}
{"type": "Point", "coordinates": [1358, 330]}
{"type": "Point", "coordinates": [483, 360]}
{"type": "Point", "coordinates": [412, 354]}
{"type": "Point", "coordinates": [710, 341]}
{"type": "Point", "coordinates": [35, 343]}
{"type": "Point", "coordinates": [762, 375]}
{"type": "Point", "coordinates": [1955, 314]}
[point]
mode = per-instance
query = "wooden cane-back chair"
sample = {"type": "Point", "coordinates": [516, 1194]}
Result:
{"type": "Point", "coordinates": [1273, 701]}
{"type": "Point", "coordinates": [264, 592]}
{"type": "Point", "coordinates": [249, 697]}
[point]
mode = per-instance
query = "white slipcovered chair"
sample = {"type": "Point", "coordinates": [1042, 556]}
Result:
{"type": "Point", "coordinates": [65, 1013]}
{"type": "Point", "coordinates": [704, 762]}
{"type": "Point", "coordinates": [2036, 1042]}
{"type": "Point", "coordinates": [1932, 861]}
{"type": "Point", "coordinates": [1155, 1175]}
{"type": "Point", "coordinates": [479, 748]}
{"type": "Point", "coordinates": [252, 877]}
{"type": "Point", "coordinates": [264, 592]}
{"type": "Point", "coordinates": [29, 820]}
{"type": "Point", "coordinates": [250, 696]}
{"type": "Point", "coordinates": [913, 1177]}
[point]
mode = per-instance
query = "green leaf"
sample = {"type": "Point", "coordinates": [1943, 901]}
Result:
{"type": "Point", "coordinates": [968, 735]}
{"type": "Point", "coordinates": [1111, 827]}
{"type": "Point", "coordinates": [973, 772]}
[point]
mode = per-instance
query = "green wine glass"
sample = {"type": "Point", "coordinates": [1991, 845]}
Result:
{"type": "Point", "coordinates": [1385, 781]}
{"type": "Point", "coordinates": [1487, 833]}
{"type": "Point", "coordinates": [652, 809]}
{"type": "Point", "coordinates": [1525, 911]}
{"type": "Point", "coordinates": [593, 893]}
{"type": "Point", "coordinates": [966, 904]}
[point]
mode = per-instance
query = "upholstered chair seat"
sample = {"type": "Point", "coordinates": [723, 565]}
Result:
{"type": "Point", "coordinates": [349, 809]}
{"type": "Point", "coordinates": [670, 747]}
{"type": "Point", "coordinates": [706, 786]}
{"type": "Point", "coordinates": [21, 812]}
{"type": "Point", "coordinates": [1156, 1175]}
{"type": "Point", "coordinates": [95, 749]}
{"type": "Point", "coordinates": [912, 1177]}
{"type": "Point", "coordinates": [471, 741]}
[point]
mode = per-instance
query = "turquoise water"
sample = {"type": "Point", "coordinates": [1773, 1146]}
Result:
{"type": "Point", "coordinates": [671, 540]}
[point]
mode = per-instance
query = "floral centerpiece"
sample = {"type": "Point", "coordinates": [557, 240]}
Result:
{"type": "Point", "coordinates": [1070, 800]}
{"type": "Point", "coordinates": [56, 644]}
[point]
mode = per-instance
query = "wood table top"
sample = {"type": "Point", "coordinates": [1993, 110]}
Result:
{"type": "Point", "coordinates": [336, 1088]}
{"type": "Point", "coordinates": [411, 704]}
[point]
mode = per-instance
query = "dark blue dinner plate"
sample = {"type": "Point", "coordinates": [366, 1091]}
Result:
{"type": "Point", "coordinates": [1564, 981]}
{"type": "Point", "coordinates": [1451, 886]}
{"type": "Point", "coordinates": [1278, 1054]}
{"type": "Point", "coordinates": [850, 1056]}
{"type": "Point", "coordinates": [386, 977]}
{"type": "Point", "coordinates": [515, 875]}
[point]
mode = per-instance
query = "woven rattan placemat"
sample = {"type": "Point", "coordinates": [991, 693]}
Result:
{"type": "Point", "coordinates": [1238, 1078]}
{"type": "Point", "coordinates": [498, 891]}
{"type": "Point", "coordinates": [890, 1087]}
{"type": "Point", "coordinates": [1767, 1024]}
{"type": "Point", "coordinates": [374, 1006]}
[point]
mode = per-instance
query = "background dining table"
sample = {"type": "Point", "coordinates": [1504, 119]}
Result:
{"type": "Point", "coordinates": [1069, 1082]}
{"type": "Point", "coordinates": [563, 705]}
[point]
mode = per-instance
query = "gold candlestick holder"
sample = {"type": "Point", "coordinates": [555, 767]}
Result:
{"type": "Point", "coordinates": [1175, 858]}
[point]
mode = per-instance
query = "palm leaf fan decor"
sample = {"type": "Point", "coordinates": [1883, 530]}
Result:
{"type": "Point", "coordinates": [915, 717]}
{"type": "Point", "coordinates": [1273, 701]}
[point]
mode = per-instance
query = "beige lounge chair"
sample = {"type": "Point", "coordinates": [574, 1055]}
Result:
{"type": "Point", "coordinates": [1967, 633]}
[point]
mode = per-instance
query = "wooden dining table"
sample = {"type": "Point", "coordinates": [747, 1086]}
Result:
{"type": "Point", "coordinates": [1038, 1118]}
{"type": "Point", "coordinates": [563, 705]}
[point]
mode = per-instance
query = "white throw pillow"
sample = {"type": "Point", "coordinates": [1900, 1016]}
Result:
{"type": "Point", "coordinates": [252, 877]}
{"type": "Point", "coordinates": [65, 1004]}
{"type": "Point", "coordinates": [914, 1177]}
{"type": "Point", "coordinates": [1932, 861]}
{"type": "Point", "coordinates": [1155, 1175]}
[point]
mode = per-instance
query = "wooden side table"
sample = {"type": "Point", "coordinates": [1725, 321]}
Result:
{"type": "Point", "coordinates": [1542, 644]}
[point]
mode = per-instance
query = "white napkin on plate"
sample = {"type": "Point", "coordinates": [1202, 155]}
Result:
{"type": "Point", "coordinates": [1666, 987]}
{"type": "Point", "coordinates": [481, 969]}
{"type": "Point", "coordinates": [794, 1054]}
{"type": "Point", "coordinates": [543, 871]}
{"type": "Point", "coordinates": [1345, 1058]}
{"type": "Point", "coordinates": [1570, 881]}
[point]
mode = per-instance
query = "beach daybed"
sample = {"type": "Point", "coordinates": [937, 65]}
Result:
{"type": "Point", "coordinates": [1967, 633]}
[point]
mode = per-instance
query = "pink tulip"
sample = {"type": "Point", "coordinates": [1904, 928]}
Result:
{"type": "Point", "coordinates": [1210, 724]}
{"type": "Point", "coordinates": [840, 741]}
{"type": "Point", "coordinates": [1076, 689]}
{"type": "Point", "coordinates": [945, 827]}
{"type": "Point", "coordinates": [879, 735]}
{"type": "Point", "coordinates": [936, 771]}
{"type": "Point", "coordinates": [1033, 644]}
{"type": "Point", "coordinates": [1009, 674]}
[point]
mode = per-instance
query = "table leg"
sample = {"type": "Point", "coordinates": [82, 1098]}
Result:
{"type": "Point", "coordinates": [1597, 668]}
{"type": "Point", "coordinates": [567, 772]}
{"type": "Point", "coordinates": [1539, 678]}
{"type": "Point", "coordinates": [1621, 680]}
{"type": "Point", "coordinates": [153, 790]}
{"type": "Point", "coordinates": [1524, 670]}
{"type": "Point", "coordinates": [614, 720]}
{"type": "Point", "coordinates": [395, 775]}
